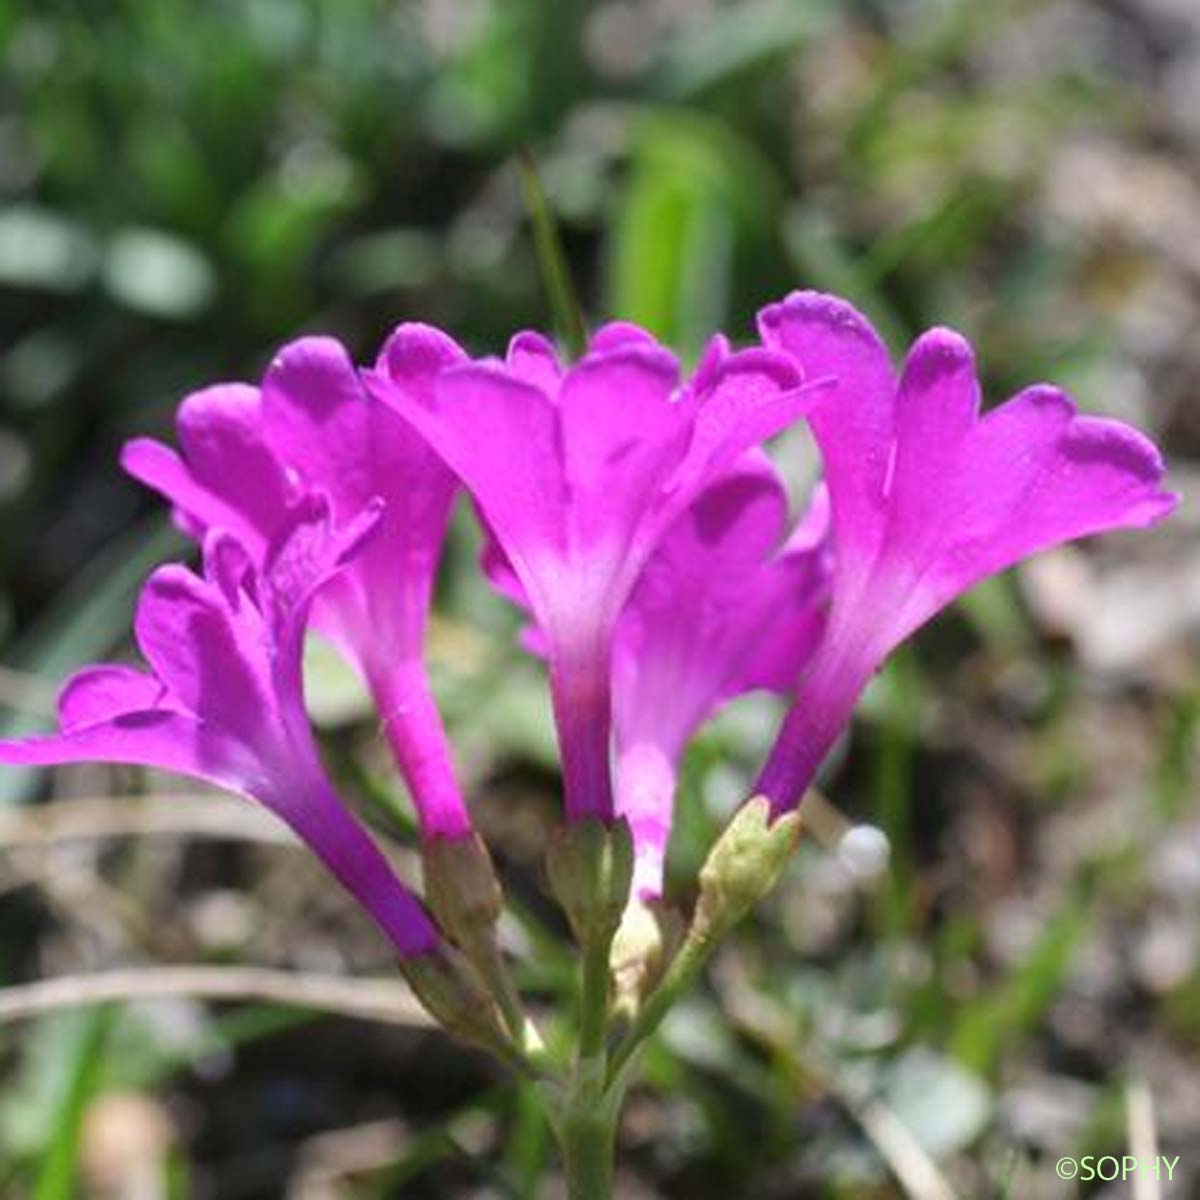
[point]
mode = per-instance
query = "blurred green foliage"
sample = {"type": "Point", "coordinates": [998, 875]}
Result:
{"type": "Point", "coordinates": [185, 185]}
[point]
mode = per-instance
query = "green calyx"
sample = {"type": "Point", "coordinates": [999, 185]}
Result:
{"type": "Point", "coordinates": [465, 897]}
{"type": "Point", "coordinates": [461, 887]}
{"type": "Point", "coordinates": [455, 996]}
{"type": "Point", "coordinates": [590, 865]}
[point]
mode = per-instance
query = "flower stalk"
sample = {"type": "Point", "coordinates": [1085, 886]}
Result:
{"type": "Point", "coordinates": [590, 865]}
{"type": "Point", "coordinates": [588, 1136]}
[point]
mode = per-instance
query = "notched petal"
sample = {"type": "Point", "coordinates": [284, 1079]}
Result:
{"type": "Point", "coordinates": [415, 354]}
{"type": "Point", "coordinates": [102, 692]}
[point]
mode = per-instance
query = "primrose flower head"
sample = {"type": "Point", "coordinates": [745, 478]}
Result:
{"type": "Point", "coordinates": [223, 700]}
{"type": "Point", "coordinates": [248, 452]}
{"type": "Point", "coordinates": [928, 497]}
{"type": "Point", "coordinates": [578, 471]}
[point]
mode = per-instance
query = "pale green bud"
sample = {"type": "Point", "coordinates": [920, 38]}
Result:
{"type": "Point", "coordinates": [743, 865]}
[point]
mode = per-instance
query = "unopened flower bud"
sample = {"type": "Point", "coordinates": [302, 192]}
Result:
{"type": "Point", "coordinates": [743, 865]}
{"type": "Point", "coordinates": [647, 938]}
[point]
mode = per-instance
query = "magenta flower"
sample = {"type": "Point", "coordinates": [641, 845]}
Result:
{"type": "Point", "coordinates": [247, 452]}
{"type": "Point", "coordinates": [928, 497]}
{"type": "Point", "coordinates": [578, 471]}
{"type": "Point", "coordinates": [223, 699]}
{"type": "Point", "coordinates": [724, 606]}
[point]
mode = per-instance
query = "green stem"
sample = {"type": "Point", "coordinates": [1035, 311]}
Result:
{"type": "Point", "coordinates": [593, 999]}
{"type": "Point", "coordinates": [589, 1141]}
{"type": "Point", "coordinates": [587, 1129]}
{"type": "Point", "coordinates": [485, 953]}
{"type": "Point", "coordinates": [681, 975]}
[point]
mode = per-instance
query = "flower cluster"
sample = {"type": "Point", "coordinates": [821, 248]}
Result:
{"type": "Point", "coordinates": [633, 514]}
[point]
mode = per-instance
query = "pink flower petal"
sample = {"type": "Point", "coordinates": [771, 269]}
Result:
{"type": "Point", "coordinates": [533, 359]}
{"type": "Point", "coordinates": [162, 738]}
{"type": "Point", "coordinates": [215, 665]}
{"type": "Point", "coordinates": [221, 438]}
{"type": "Point", "coordinates": [224, 703]}
{"type": "Point", "coordinates": [415, 355]}
{"type": "Point", "coordinates": [314, 428]}
{"type": "Point", "coordinates": [578, 476]}
{"type": "Point", "coordinates": [96, 693]}
{"type": "Point", "coordinates": [852, 419]}
{"type": "Point", "coordinates": [928, 498]}
{"type": "Point", "coordinates": [720, 609]}
{"type": "Point", "coordinates": [620, 434]}
{"type": "Point", "coordinates": [500, 436]}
